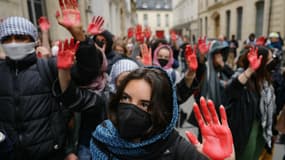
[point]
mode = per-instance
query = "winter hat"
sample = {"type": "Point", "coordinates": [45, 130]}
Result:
{"type": "Point", "coordinates": [273, 35]}
{"type": "Point", "coordinates": [17, 26]}
{"type": "Point", "coordinates": [122, 65]}
{"type": "Point", "coordinates": [88, 64]}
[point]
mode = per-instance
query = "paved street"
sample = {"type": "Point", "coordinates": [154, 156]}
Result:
{"type": "Point", "coordinates": [279, 150]}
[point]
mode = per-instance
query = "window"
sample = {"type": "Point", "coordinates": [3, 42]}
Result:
{"type": "Point", "coordinates": [228, 23]}
{"type": "Point", "coordinates": [239, 22]}
{"type": "Point", "coordinates": [36, 9]}
{"type": "Point", "coordinates": [206, 26]}
{"type": "Point", "coordinates": [158, 20]}
{"type": "Point", "coordinates": [167, 20]}
{"type": "Point", "coordinates": [259, 18]}
{"type": "Point", "coordinates": [145, 19]}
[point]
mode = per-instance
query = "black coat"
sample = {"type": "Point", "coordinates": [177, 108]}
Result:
{"type": "Point", "coordinates": [181, 149]}
{"type": "Point", "coordinates": [30, 116]}
{"type": "Point", "coordinates": [242, 106]}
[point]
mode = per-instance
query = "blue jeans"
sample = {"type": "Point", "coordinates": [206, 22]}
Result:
{"type": "Point", "coordinates": [84, 153]}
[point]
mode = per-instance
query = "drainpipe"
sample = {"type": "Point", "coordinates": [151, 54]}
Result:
{"type": "Point", "coordinates": [269, 16]}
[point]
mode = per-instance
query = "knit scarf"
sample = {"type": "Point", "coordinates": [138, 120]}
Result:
{"type": "Point", "coordinates": [267, 109]}
{"type": "Point", "coordinates": [108, 135]}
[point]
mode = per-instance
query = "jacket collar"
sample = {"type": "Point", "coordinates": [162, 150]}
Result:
{"type": "Point", "coordinates": [23, 63]}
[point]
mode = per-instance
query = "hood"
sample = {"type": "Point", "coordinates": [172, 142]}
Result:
{"type": "Point", "coordinates": [109, 38]}
{"type": "Point", "coordinates": [211, 83]}
{"type": "Point", "coordinates": [170, 61]}
{"type": "Point", "coordinates": [107, 134]}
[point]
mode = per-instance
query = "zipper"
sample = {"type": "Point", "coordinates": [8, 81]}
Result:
{"type": "Point", "coordinates": [16, 68]}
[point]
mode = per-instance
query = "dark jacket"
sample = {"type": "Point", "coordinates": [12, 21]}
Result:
{"type": "Point", "coordinates": [242, 106]}
{"type": "Point", "coordinates": [180, 149]}
{"type": "Point", "coordinates": [30, 115]}
{"type": "Point", "coordinates": [111, 56]}
{"type": "Point", "coordinates": [90, 104]}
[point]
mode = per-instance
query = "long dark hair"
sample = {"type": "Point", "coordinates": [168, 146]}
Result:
{"type": "Point", "coordinates": [262, 74]}
{"type": "Point", "coordinates": [161, 107]}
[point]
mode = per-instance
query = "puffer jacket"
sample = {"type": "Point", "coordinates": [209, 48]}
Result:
{"type": "Point", "coordinates": [30, 117]}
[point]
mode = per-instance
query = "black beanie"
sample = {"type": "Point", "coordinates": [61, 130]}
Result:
{"type": "Point", "coordinates": [88, 64]}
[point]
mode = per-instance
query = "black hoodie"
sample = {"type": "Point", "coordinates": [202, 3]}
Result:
{"type": "Point", "coordinates": [112, 57]}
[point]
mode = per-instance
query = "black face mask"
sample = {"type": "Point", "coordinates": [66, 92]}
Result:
{"type": "Point", "coordinates": [132, 121]}
{"type": "Point", "coordinates": [99, 43]}
{"type": "Point", "coordinates": [163, 62]}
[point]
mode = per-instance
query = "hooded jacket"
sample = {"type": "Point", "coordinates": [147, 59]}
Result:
{"type": "Point", "coordinates": [112, 56]}
{"type": "Point", "coordinates": [168, 145]}
{"type": "Point", "coordinates": [213, 82]}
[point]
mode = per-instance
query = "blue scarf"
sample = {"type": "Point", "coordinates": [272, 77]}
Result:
{"type": "Point", "coordinates": [107, 134]}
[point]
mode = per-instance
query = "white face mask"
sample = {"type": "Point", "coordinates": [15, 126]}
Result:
{"type": "Point", "coordinates": [17, 51]}
{"type": "Point", "coordinates": [54, 50]}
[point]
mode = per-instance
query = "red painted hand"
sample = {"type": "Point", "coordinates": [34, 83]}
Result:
{"type": "Point", "coordinates": [66, 52]}
{"type": "Point", "coordinates": [70, 15]}
{"type": "Point", "coordinates": [43, 23]}
{"type": "Point", "coordinates": [260, 41]}
{"type": "Point", "coordinates": [146, 55]}
{"type": "Point", "coordinates": [139, 34]}
{"type": "Point", "coordinates": [254, 60]}
{"type": "Point", "coordinates": [130, 32]}
{"type": "Point", "coordinates": [147, 32]}
{"type": "Point", "coordinates": [95, 26]}
{"type": "Point", "coordinates": [203, 46]}
{"type": "Point", "coordinates": [191, 58]}
{"type": "Point", "coordinates": [217, 138]}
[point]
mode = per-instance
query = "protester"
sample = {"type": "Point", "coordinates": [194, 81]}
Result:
{"type": "Point", "coordinates": [274, 41]}
{"type": "Point", "coordinates": [33, 119]}
{"type": "Point", "coordinates": [250, 42]}
{"type": "Point", "coordinates": [234, 43]}
{"type": "Point", "coordinates": [163, 57]}
{"type": "Point", "coordinates": [216, 75]}
{"type": "Point", "coordinates": [106, 38]}
{"type": "Point", "coordinates": [141, 126]}
{"type": "Point", "coordinates": [119, 47]}
{"type": "Point", "coordinates": [251, 104]}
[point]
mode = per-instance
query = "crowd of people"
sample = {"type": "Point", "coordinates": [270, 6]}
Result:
{"type": "Point", "coordinates": [98, 96]}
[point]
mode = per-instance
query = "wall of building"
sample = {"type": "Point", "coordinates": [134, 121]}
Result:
{"type": "Point", "coordinates": [118, 15]}
{"type": "Point", "coordinates": [112, 11]}
{"type": "Point", "coordinates": [186, 17]}
{"type": "Point", "coordinates": [152, 19]}
{"type": "Point", "coordinates": [274, 22]}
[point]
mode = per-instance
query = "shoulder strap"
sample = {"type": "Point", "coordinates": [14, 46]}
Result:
{"type": "Point", "coordinates": [173, 76]}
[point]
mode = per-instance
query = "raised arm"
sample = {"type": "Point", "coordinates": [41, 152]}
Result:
{"type": "Point", "coordinates": [69, 17]}
{"type": "Point", "coordinates": [65, 60]}
{"type": "Point", "coordinates": [44, 26]}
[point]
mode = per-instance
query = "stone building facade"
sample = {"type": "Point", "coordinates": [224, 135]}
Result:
{"type": "Point", "coordinates": [118, 14]}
